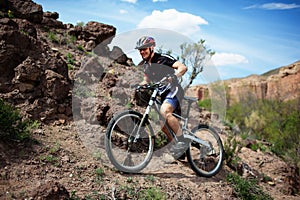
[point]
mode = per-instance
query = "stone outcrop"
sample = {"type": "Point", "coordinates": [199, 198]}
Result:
{"type": "Point", "coordinates": [24, 9]}
{"type": "Point", "coordinates": [31, 73]}
{"type": "Point", "coordinates": [38, 59]}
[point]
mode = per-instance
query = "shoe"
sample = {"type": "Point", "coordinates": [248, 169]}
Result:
{"type": "Point", "coordinates": [178, 149]}
{"type": "Point", "coordinates": [182, 157]}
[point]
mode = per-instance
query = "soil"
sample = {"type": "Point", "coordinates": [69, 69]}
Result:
{"type": "Point", "coordinates": [57, 164]}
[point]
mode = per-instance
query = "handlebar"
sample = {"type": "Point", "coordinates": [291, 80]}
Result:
{"type": "Point", "coordinates": [155, 85]}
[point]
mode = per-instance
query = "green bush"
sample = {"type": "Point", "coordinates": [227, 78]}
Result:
{"type": "Point", "coordinates": [53, 37]}
{"type": "Point", "coordinates": [152, 193]}
{"type": "Point", "coordinates": [247, 188]}
{"type": "Point", "coordinates": [12, 125]}
{"type": "Point", "coordinates": [206, 103]}
{"type": "Point", "coordinates": [70, 61]}
{"type": "Point", "coordinates": [275, 121]}
{"type": "Point", "coordinates": [232, 147]}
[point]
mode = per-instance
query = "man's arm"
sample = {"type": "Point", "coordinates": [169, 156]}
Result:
{"type": "Point", "coordinates": [145, 80]}
{"type": "Point", "coordinates": [181, 68]}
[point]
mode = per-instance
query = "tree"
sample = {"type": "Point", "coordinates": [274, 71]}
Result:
{"type": "Point", "coordinates": [195, 56]}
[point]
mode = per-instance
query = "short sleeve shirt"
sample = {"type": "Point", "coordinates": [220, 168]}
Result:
{"type": "Point", "coordinates": [160, 66]}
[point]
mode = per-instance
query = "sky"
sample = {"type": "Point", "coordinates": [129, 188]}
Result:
{"type": "Point", "coordinates": [249, 37]}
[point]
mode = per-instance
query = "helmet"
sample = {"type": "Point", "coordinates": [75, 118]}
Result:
{"type": "Point", "coordinates": [145, 42]}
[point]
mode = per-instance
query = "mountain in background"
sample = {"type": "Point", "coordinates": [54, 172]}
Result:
{"type": "Point", "coordinates": [281, 83]}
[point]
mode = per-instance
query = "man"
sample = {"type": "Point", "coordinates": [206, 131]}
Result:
{"type": "Point", "coordinates": [156, 67]}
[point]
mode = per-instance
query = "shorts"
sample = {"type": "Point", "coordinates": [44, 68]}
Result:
{"type": "Point", "coordinates": [173, 101]}
{"type": "Point", "coordinates": [173, 96]}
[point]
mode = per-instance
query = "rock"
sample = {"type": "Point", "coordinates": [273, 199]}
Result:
{"type": "Point", "coordinates": [12, 49]}
{"type": "Point", "coordinates": [26, 9]}
{"type": "Point", "coordinates": [26, 27]}
{"type": "Point", "coordinates": [76, 31]}
{"type": "Point", "coordinates": [56, 85]}
{"type": "Point", "coordinates": [27, 71]}
{"type": "Point", "coordinates": [50, 22]}
{"type": "Point", "coordinates": [271, 183]}
{"type": "Point", "coordinates": [101, 32]}
{"type": "Point", "coordinates": [50, 190]}
{"type": "Point", "coordinates": [52, 15]}
{"type": "Point", "coordinates": [118, 55]}
{"type": "Point", "coordinates": [90, 45]}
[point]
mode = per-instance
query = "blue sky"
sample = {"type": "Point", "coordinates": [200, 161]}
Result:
{"type": "Point", "coordinates": [249, 37]}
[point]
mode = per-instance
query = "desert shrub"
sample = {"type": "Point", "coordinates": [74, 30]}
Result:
{"type": "Point", "coordinates": [206, 103]}
{"type": "Point", "coordinates": [231, 148]}
{"type": "Point", "coordinates": [12, 125]}
{"type": "Point", "coordinates": [152, 193]}
{"type": "Point", "coordinates": [70, 61]}
{"type": "Point", "coordinates": [246, 188]}
{"type": "Point", "coordinates": [275, 121]}
{"type": "Point", "coordinates": [53, 37]}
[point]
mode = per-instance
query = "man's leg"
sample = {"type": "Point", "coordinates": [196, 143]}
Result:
{"type": "Point", "coordinates": [166, 111]}
{"type": "Point", "coordinates": [179, 149]}
{"type": "Point", "coordinates": [165, 130]}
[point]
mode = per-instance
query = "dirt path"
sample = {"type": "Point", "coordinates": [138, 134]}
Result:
{"type": "Point", "coordinates": [61, 160]}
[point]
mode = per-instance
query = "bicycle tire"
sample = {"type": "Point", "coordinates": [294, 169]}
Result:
{"type": "Point", "coordinates": [206, 162]}
{"type": "Point", "coordinates": [126, 152]}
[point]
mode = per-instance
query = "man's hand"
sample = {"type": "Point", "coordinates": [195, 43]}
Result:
{"type": "Point", "coordinates": [172, 78]}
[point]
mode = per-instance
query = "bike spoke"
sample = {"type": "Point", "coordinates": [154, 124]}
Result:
{"type": "Point", "coordinates": [129, 146]}
{"type": "Point", "coordinates": [206, 160]}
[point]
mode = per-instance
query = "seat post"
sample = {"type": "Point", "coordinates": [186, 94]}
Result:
{"type": "Point", "coordinates": [188, 109]}
{"type": "Point", "coordinates": [190, 100]}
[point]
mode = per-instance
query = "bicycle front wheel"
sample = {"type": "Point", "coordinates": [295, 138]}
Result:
{"type": "Point", "coordinates": [206, 160]}
{"type": "Point", "coordinates": [129, 145]}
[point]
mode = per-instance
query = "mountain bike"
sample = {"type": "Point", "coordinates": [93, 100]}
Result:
{"type": "Point", "coordinates": [130, 138]}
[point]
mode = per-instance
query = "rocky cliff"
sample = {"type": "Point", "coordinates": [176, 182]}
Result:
{"type": "Point", "coordinates": [282, 83]}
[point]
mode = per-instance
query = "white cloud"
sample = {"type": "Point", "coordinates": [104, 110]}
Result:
{"type": "Point", "coordinates": [172, 19]}
{"type": "Point", "coordinates": [159, 1]}
{"type": "Point", "coordinates": [129, 1]}
{"type": "Point", "coordinates": [279, 6]}
{"type": "Point", "coordinates": [274, 6]}
{"type": "Point", "coordinates": [220, 59]}
{"type": "Point", "coordinates": [123, 11]}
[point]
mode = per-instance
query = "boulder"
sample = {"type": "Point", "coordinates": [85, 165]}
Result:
{"type": "Point", "coordinates": [118, 55]}
{"type": "Point", "coordinates": [26, 9]}
{"type": "Point", "coordinates": [52, 15]}
{"type": "Point", "coordinates": [56, 86]}
{"type": "Point", "coordinates": [99, 32]}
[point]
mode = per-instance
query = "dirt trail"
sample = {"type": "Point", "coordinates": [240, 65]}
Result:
{"type": "Point", "coordinates": [60, 156]}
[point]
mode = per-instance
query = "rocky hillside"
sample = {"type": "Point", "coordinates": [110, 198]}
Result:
{"type": "Point", "coordinates": [282, 83]}
{"type": "Point", "coordinates": [40, 56]}
{"type": "Point", "coordinates": [41, 60]}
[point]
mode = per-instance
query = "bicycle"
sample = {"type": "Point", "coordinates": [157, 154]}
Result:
{"type": "Point", "coordinates": [130, 139]}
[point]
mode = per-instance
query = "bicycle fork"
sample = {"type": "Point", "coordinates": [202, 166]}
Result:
{"type": "Point", "coordinates": [145, 116]}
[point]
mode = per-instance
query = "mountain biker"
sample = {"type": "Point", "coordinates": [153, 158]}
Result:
{"type": "Point", "coordinates": [157, 66]}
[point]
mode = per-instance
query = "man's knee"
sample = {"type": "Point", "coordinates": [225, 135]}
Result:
{"type": "Point", "coordinates": [166, 110]}
{"type": "Point", "coordinates": [168, 115]}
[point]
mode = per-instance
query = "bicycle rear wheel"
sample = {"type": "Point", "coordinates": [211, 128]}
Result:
{"type": "Point", "coordinates": [128, 146]}
{"type": "Point", "coordinates": [207, 160]}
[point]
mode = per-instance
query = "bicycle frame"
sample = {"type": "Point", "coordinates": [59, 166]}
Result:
{"type": "Point", "coordinates": [186, 132]}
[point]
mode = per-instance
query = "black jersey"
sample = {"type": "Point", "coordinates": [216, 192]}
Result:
{"type": "Point", "coordinates": [160, 66]}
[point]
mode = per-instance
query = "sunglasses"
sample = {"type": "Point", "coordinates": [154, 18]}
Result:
{"type": "Point", "coordinates": [144, 49]}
